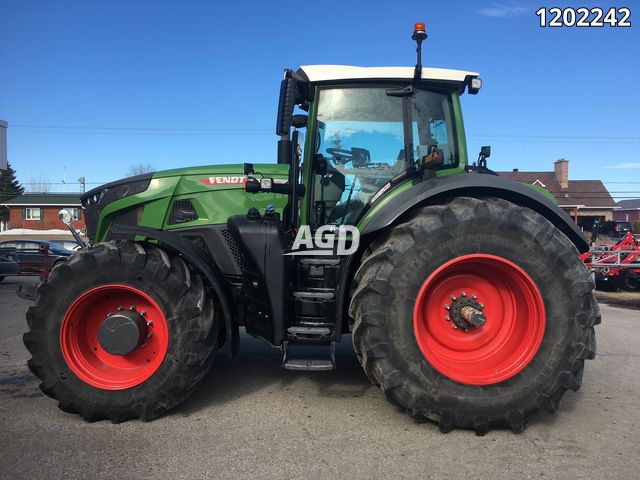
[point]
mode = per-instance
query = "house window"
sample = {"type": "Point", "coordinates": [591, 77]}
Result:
{"type": "Point", "coordinates": [75, 212]}
{"type": "Point", "coordinates": [33, 214]}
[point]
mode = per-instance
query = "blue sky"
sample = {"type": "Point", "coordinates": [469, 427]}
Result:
{"type": "Point", "coordinates": [167, 69]}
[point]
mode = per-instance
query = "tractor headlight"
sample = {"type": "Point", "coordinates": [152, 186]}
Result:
{"type": "Point", "coordinates": [94, 201]}
{"type": "Point", "coordinates": [266, 183]}
{"type": "Point", "coordinates": [474, 84]}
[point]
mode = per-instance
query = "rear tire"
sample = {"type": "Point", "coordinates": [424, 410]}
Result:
{"type": "Point", "coordinates": [144, 384]}
{"type": "Point", "coordinates": [397, 355]}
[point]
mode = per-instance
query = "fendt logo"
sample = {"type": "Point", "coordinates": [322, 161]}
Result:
{"type": "Point", "coordinates": [224, 180]}
{"type": "Point", "coordinates": [327, 240]}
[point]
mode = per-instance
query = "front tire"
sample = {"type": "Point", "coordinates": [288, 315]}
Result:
{"type": "Point", "coordinates": [80, 369]}
{"type": "Point", "coordinates": [526, 278]}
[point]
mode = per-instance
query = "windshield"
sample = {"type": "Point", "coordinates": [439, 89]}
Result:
{"type": "Point", "coordinates": [361, 135]}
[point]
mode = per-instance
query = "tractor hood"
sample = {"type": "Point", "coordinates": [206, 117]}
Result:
{"type": "Point", "coordinates": [145, 199]}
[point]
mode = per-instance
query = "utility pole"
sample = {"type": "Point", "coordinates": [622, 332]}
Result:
{"type": "Point", "coordinates": [83, 182]}
{"type": "Point", "coordinates": [3, 145]}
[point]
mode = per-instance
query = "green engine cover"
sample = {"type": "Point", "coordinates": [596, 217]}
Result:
{"type": "Point", "coordinates": [215, 191]}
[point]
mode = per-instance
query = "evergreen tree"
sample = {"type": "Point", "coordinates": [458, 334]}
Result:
{"type": "Point", "coordinates": [9, 188]}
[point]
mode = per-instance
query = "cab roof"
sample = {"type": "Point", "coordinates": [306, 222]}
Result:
{"type": "Point", "coordinates": [324, 73]}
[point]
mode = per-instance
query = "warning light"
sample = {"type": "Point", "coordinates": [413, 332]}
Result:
{"type": "Point", "coordinates": [419, 35]}
{"type": "Point", "coordinates": [419, 31]}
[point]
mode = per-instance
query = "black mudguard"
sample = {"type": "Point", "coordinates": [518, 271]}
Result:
{"type": "Point", "coordinates": [198, 260]}
{"type": "Point", "coordinates": [477, 185]}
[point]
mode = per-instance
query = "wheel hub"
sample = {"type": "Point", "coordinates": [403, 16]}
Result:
{"type": "Point", "coordinates": [122, 332]}
{"type": "Point", "coordinates": [492, 324]}
{"type": "Point", "coordinates": [465, 312]}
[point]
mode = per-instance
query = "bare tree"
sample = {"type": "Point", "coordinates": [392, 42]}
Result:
{"type": "Point", "coordinates": [336, 142]}
{"type": "Point", "coordinates": [139, 169]}
{"type": "Point", "coordinates": [38, 184]}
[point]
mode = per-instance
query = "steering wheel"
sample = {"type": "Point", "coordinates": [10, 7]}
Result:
{"type": "Point", "coordinates": [340, 155]}
{"type": "Point", "coordinates": [373, 165]}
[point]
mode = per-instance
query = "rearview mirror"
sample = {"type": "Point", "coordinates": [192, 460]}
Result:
{"type": "Point", "coordinates": [285, 106]}
{"type": "Point", "coordinates": [294, 90]}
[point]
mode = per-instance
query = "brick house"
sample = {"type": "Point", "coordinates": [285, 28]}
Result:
{"type": "Point", "coordinates": [584, 200]}
{"type": "Point", "coordinates": [628, 211]}
{"type": "Point", "coordinates": [39, 211]}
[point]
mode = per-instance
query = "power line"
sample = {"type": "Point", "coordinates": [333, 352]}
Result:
{"type": "Point", "coordinates": [69, 127]}
{"type": "Point", "coordinates": [99, 130]}
{"type": "Point", "coordinates": [495, 135]}
{"type": "Point", "coordinates": [63, 183]}
{"type": "Point", "coordinates": [577, 137]}
{"type": "Point", "coordinates": [143, 134]}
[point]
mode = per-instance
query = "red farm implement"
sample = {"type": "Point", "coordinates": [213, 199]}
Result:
{"type": "Point", "coordinates": [617, 264]}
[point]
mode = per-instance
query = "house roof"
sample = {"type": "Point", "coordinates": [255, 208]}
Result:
{"type": "Point", "coordinates": [580, 193]}
{"type": "Point", "coordinates": [633, 204]}
{"type": "Point", "coordinates": [321, 73]}
{"type": "Point", "coordinates": [44, 200]}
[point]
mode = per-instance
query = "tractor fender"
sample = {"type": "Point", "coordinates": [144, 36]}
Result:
{"type": "Point", "coordinates": [195, 257]}
{"type": "Point", "coordinates": [476, 185]}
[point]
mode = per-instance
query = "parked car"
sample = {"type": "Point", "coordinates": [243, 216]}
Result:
{"type": "Point", "coordinates": [68, 244]}
{"type": "Point", "coordinates": [30, 255]}
{"type": "Point", "coordinates": [615, 228]}
{"type": "Point", "coordinates": [620, 229]}
{"type": "Point", "coordinates": [8, 263]}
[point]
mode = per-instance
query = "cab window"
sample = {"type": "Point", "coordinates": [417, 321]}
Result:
{"type": "Point", "coordinates": [360, 137]}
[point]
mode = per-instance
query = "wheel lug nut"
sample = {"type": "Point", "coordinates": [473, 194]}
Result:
{"type": "Point", "coordinates": [453, 298]}
{"type": "Point", "coordinates": [143, 313]}
{"type": "Point", "coordinates": [447, 307]}
{"type": "Point", "coordinates": [463, 294]}
{"type": "Point", "coordinates": [132, 308]}
{"type": "Point", "coordinates": [447, 318]}
{"type": "Point", "coordinates": [474, 296]}
{"type": "Point", "coordinates": [120, 308]}
{"type": "Point", "coordinates": [455, 327]}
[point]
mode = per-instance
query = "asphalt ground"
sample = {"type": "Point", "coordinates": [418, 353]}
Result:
{"type": "Point", "coordinates": [251, 419]}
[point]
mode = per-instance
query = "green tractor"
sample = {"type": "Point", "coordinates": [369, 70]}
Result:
{"type": "Point", "coordinates": [463, 291]}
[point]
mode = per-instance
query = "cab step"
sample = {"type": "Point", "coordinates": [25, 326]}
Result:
{"type": "Point", "coordinates": [309, 364]}
{"type": "Point", "coordinates": [305, 333]}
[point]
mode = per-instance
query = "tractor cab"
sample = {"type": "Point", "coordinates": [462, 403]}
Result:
{"type": "Point", "coordinates": [369, 130]}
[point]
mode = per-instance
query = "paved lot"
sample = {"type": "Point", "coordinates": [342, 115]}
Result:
{"type": "Point", "coordinates": [253, 420]}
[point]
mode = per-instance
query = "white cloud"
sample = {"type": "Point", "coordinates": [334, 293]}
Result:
{"type": "Point", "coordinates": [501, 10]}
{"type": "Point", "coordinates": [629, 165]}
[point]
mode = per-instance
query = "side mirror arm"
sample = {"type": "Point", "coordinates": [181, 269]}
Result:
{"type": "Point", "coordinates": [67, 218]}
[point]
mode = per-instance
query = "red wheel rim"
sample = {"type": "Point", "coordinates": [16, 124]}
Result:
{"type": "Point", "coordinates": [511, 335]}
{"type": "Point", "coordinates": [89, 361]}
